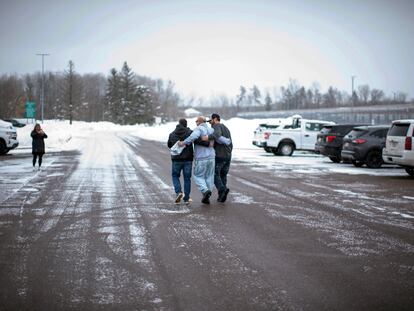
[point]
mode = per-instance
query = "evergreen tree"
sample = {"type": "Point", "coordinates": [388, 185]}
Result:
{"type": "Point", "coordinates": [113, 97]}
{"type": "Point", "coordinates": [128, 88]}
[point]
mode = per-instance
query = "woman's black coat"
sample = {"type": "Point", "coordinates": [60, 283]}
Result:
{"type": "Point", "coordinates": [38, 143]}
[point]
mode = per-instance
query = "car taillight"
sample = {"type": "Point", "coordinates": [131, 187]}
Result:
{"type": "Point", "coordinates": [359, 141]}
{"type": "Point", "coordinates": [266, 135]}
{"type": "Point", "coordinates": [330, 138]}
{"type": "Point", "coordinates": [408, 143]}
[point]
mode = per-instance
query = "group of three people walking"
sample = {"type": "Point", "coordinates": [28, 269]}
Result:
{"type": "Point", "coordinates": [210, 148]}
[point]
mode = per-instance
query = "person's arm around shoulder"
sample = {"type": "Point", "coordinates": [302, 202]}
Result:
{"type": "Point", "coordinates": [217, 135]}
{"type": "Point", "coordinates": [194, 135]}
{"type": "Point", "coordinates": [223, 140]}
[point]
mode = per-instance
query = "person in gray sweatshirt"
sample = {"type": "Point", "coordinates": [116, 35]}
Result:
{"type": "Point", "coordinates": [223, 156]}
{"type": "Point", "coordinates": [204, 159]}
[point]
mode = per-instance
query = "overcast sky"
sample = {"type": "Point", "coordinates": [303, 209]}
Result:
{"type": "Point", "coordinates": [212, 47]}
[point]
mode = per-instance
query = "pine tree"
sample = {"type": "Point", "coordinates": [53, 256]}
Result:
{"type": "Point", "coordinates": [142, 110]}
{"type": "Point", "coordinates": [128, 89]}
{"type": "Point", "coordinates": [113, 97]}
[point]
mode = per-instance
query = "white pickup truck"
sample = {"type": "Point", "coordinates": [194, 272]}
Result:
{"type": "Point", "coordinates": [301, 135]}
{"type": "Point", "coordinates": [8, 137]}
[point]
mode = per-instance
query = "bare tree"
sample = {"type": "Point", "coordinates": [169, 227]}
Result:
{"type": "Point", "coordinates": [363, 93]}
{"type": "Point", "coordinates": [377, 96]}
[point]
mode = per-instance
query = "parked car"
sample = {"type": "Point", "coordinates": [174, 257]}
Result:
{"type": "Point", "coordinates": [8, 137]}
{"type": "Point", "coordinates": [261, 135]}
{"type": "Point", "coordinates": [399, 145]}
{"type": "Point", "coordinates": [330, 140]}
{"type": "Point", "coordinates": [364, 144]}
{"type": "Point", "coordinates": [300, 134]}
{"type": "Point", "coordinates": [15, 122]}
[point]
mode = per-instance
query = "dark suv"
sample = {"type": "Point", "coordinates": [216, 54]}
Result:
{"type": "Point", "coordinates": [364, 144]}
{"type": "Point", "coordinates": [16, 123]}
{"type": "Point", "coordinates": [330, 140]}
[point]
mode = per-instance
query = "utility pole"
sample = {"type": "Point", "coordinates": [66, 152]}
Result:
{"type": "Point", "coordinates": [42, 95]}
{"type": "Point", "coordinates": [353, 78]}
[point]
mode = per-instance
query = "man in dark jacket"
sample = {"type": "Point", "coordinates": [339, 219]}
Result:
{"type": "Point", "coordinates": [182, 162]}
{"type": "Point", "coordinates": [223, 157]}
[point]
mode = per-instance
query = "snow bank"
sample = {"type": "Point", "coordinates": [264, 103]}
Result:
{"type": "Point", "coordinates": [62, 137]}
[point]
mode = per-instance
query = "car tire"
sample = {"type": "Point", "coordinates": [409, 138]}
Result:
{"type": "Point", "coordinates": [3, 148]}
{"type": "Point", "coordinates": [374, 159]}
{"type": "Point", "coordinates": [410, 171]}
{"type": "Point", "coordinates": [335, 159]}
{"type": "Point", "coordinates": [357, 163]}
{"type": "Point", "coordinates": [286, 149]}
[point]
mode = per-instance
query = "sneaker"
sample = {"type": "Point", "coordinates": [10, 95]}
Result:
{"type": "Point", "coordinates": [39, 169]}
{"type": "Point", "coordinates": [224, 196]}
{"type": "Point", "coordinates": [188, 202]}
{"type": "Point", "coordinates": [34, 169]}
{"type": "Point", "coordinates": [206, 197]}
{"type": "Point", "coordinates": [179, 197]}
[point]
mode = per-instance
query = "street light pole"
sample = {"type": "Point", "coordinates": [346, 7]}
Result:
{"type": "Point", "coordinates": [42, 95]}
{"type": "Point", "coordinates": [352, 94]}
{"type": "Point", "coordinates": [353, 78]}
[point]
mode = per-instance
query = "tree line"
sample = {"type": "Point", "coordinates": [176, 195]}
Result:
{"type": "Point", "coordinates": [295, 96]}
{"type": "Point", "coordinates": [122, 97]}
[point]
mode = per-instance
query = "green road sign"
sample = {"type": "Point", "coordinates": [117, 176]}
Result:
{"type": "Point", "coordinates": [30, 109]}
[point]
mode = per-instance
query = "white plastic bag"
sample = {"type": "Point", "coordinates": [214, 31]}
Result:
{"type": "Point", "coordinates": [176, 149]}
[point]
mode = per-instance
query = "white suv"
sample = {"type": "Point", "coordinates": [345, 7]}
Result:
{"type": "Point", "coordinates": [399, 145]}
{"type": "Point", "coordinates": [8, 137]}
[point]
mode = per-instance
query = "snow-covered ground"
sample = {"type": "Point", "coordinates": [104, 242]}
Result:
{"type": "Point", "coordinates": [63, 137]}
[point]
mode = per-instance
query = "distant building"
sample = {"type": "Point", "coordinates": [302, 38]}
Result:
{"type": "Point", "coordinates": [191, 113]}
{"type": "Point", "coordinates": [375, 114]}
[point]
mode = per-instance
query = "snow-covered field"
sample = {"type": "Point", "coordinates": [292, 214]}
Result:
{"type": "Point", "coordinates": [63, 137]}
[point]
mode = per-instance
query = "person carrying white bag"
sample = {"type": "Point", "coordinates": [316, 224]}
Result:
{"type": "Point", "coordinates": [182, 161]}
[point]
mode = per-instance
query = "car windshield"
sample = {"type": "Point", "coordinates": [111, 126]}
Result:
{"type": "Point", "coordinates": [399, 129]}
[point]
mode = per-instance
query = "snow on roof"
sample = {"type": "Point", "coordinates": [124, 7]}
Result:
{"type": "Point", "coordinates": [191, 112]}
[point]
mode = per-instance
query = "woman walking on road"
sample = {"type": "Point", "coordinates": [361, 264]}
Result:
{"type": "Point", "coordinates": [38, 144]}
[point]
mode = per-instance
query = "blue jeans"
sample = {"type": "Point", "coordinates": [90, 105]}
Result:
{"type": "Point", "coordinates": [186, 167]}
{"type": "Point", "coordinates": [204, 174]}
{"type": "Point", "coordinates": [220, 173]}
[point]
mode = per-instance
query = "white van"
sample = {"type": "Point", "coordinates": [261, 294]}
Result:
{"type": "Point", "coordinates": [399, 145]}
{"type": "Point", "coordinates": [8, 137]}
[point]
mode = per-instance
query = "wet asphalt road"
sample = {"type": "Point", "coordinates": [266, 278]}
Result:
{"type": "Point", "coordinates": [99, 231]}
